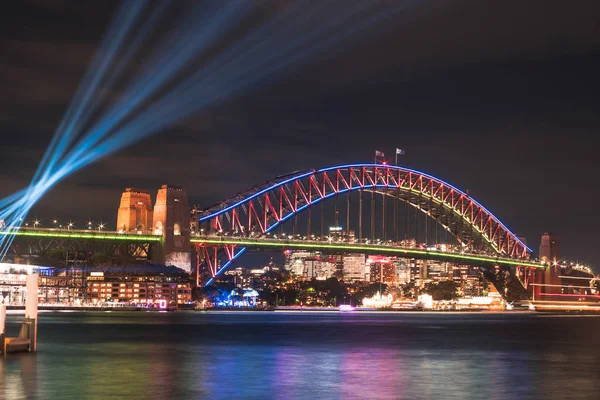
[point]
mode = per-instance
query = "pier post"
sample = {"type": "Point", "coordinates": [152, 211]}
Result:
{"type": "Point", "coordinates": [2, 326]}
{"type": "Point", "coordinates": [31, 309]}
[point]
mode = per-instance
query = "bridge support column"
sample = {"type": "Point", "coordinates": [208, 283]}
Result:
{"type": "Point", "coordinates": [552, 280]}
{"type": "Point", "coordinates": [213, 256]}
{"type": "Point", "coordinates": [360, 214]}
{"type": "Point", "coordinates": [506, 281]}
{"type": "Point", "coordinates": [197, 250]}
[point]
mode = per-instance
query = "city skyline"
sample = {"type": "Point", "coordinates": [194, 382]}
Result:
{"type": "Point", "coordinates": [508, 141]}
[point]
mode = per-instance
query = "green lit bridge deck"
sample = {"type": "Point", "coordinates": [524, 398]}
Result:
{"type": "Point", "coordinates": [393, 250]}
{"type": "Point", "coordinates": [83, 234]}
{"type": "Point", "coordinates": [271, 243]}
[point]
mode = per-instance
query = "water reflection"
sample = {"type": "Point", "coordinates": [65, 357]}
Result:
{"type": "Point", "coordinates": [306, 356]}
{"type": "Point", "coordinates": [373, 373]}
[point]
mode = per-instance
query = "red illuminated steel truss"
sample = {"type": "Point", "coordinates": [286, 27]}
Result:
{"type": "Point", "coordinates": [211, 256]}
{"type": "Point", "coordinates": [260, 209]}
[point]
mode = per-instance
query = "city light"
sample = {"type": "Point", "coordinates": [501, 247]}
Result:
{"type": "Point", "coordinates": [378, 301]}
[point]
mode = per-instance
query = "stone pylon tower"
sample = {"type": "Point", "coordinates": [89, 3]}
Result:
{"type": "Point", "coordinates": [549, 250]}
{"type": "Point", "coordinates": [135, 211]}
{"type": "Point", "coordinates": [550, 253]}
{"type": "Point", "coordinates": [172, 221]}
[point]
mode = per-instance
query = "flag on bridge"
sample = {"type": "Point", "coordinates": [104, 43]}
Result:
{"type": "Point", "coordinates": [379, 153]}
{"type": "Point", "coordinates": [400, 151]}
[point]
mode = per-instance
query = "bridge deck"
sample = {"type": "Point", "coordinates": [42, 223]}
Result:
{"type": "Point", "coordinates": [367, 248]}
{"type": "Point", "coordinates": [83, 234]}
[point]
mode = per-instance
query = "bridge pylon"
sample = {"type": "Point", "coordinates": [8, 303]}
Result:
{"type": "Point", "coordinates": [171, 219]}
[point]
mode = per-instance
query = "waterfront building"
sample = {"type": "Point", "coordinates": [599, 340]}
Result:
{"type": "Point", "coordinates": [139, 289]}
{"type": "Point", "coordinates": [51, 289]}
{"type": "Point", "coordinates": [13, 279]}
{"type": "Point", "coordinates": [378, 301]}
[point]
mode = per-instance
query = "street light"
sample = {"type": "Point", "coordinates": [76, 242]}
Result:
{"type": "Point", "coordinates": [36, 223]}
{"type": "Point", "coordinates": [100, 227]}
{"type": "Point", "coordinates": [89, 225]}
{"type": "Point", "coordinates": [70, 225]}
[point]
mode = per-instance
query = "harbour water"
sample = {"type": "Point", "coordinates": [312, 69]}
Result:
{"type": "Point", "coordinates": [306, 355]}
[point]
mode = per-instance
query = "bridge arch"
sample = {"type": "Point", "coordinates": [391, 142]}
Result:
{"type": "Point", "coordinates": [260, 209]}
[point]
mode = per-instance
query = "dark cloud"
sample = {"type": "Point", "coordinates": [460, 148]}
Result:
{"type": "Point", "coordinates": [498, 97]}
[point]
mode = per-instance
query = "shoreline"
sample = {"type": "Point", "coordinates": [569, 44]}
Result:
{"type": "Point", "coordinates": [238, 309]}
{"type": "Point", "coordinates": [16, 310]}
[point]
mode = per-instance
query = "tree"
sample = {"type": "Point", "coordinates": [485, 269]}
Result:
{"type": "Point", "coordinates": [442, 290]}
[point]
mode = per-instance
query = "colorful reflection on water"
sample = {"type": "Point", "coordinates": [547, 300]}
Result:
{"type": "Point", "coordinates": [308, 355]}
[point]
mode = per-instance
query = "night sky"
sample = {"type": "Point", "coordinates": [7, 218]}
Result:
{"type": "Point", "coordinates": [497, 97]}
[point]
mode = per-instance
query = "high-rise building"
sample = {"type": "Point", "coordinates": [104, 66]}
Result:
{"type": "Point", "coordinates": [437, 271]}
{"type": "Point", "coordinates": [354, 267]}
{"type": "Point", "coordinates": [382, 269]}
{"type": "Point", "coordinates": [326, 266]}
{"type": "Point", "coordinates": [470, 280]}
{"type": "Point", "coordinates": [402, 271]}
{"type": "Point", "coordinates": [549, 250]}
{"type": "Point", "coordinates": [294, 261]}
{"type": "Point", "coordinates": [308, 264]}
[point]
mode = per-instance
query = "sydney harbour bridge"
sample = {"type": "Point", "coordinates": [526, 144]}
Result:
{"type": "Point", "coordinates": [379, 209]}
